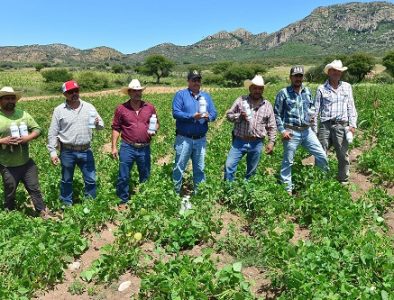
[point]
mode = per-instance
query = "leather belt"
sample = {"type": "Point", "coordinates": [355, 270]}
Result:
{"type": "Point", "coordinates": [137, 145]}
{"type": "Point", "coordinates": [193, 137]}
{"type": "Point", "coordinates": [334, 122]}
{"type": "Point", "coordinates": [297, 128]}
{"type": "Point", "coordinates": [248, 138]}
{"type": "Point", "coordinates": [75, 147]}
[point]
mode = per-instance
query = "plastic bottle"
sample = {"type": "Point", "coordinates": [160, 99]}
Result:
{"type": "Point", "coordinates": [349, 135]}
{"type": "Point", "coordinates": [92, 119]}
{"type": "Point", "coordinates": [14, 130]}
{"type": "Point", "coordinates": [152, 124]}
{"type": "Point", "coordinates": [247, 110]}
{"type": "Point", "coordinates": [311, 114]}
{"type": "Point", "coordinates": [23, 129]}
{"type": "Point", "coordinates": [202, 105]}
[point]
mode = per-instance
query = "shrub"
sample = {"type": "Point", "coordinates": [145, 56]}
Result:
{"type": "Point", "coordinates": [213, 79]}
{"type": "Point", "coordinates": [388, 62]}
{"type": "Point", "coordinates": [57, 75]}
{"type": "Point", "coordinates": [117, 69]}
{"type": "Point", "coordinates": [236, 74]}
{"type": "Point", "coordinates": [383, 77]}
{"type": "Point", "coordinates": [91, 81]}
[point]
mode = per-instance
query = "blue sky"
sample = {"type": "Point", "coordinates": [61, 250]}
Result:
{"type": "Point", "coordinates": [133, 26]}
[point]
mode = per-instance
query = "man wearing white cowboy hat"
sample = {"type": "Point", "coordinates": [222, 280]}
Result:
{"type": "Point", "coordinates": [131, 123]}
{"type": "Point", "coordinates": [191, 129]}
{"type": "Point", "coordinates": [294, 115]}
{"type": "Point", "coordinates": [337, 114]}
{"type": "Point", "coordinates": [254, 120]}
{"type": "Point", "coordinates": [72, 124]}
{"type": "Point", "coordinates": [15, 163]}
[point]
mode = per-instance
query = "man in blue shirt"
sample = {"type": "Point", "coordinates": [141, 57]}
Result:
{"type": "Point", "coordinates": [294, 115]}
{"type": "Point", "coordinates": [191, 128]}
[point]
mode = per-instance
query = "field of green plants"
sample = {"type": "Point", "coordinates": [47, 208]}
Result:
{"type": "Point", "coordinates": [347, 253]}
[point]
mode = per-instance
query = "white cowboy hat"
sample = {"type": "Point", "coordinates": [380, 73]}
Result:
{"type": "Point", "coordinates": [335, 64]}
{"type": "Point", "coordinates": [9, 91]}
{"type": "Point", "coordinates": [257, 80]}
{"type": "Point", "coordinates": [133, 85]}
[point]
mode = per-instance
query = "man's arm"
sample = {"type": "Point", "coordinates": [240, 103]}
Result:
{"type": "Point", "coordinates": [178, 109]}
{"type": "Point", "coordinates": [115, 137]}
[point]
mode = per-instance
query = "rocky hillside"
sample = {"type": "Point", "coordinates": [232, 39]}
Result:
{"type": "Point", "coordinates": [341, 28]}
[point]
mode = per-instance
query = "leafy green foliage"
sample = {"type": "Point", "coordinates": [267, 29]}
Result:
{"type": "Point", "coordinates": [57, 75]}
{"type": "Point", "coordinates": [388, 62]}
{"type": "Point", "coordinates": [156, 65]}
{"type": "Point", "coordinates": [92, 81]}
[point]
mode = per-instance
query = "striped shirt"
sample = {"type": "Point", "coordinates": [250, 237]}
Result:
{"type": "Point", "coordinates": [70, 126]}
{"type": "Point", "coordinates": [291, 108]}
{"type": "Point", "coordinates": [336, 105]}
{"type": "Point", "coordinates": [262, 123]}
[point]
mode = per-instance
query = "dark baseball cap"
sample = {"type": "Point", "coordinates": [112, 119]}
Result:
{"type": "Point", "coordinates": [193, 75]}
{"type": "Point", "coordinates": [297, 70]}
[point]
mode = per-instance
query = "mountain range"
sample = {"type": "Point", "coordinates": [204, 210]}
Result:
{"type": "Point", "coordinates": [342, 28]}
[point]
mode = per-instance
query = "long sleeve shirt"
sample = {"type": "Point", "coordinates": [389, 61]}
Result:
{"type": "Point", "coordinates": [262, 123]}
{"type": "Point", "coordinates": [291, 108]}
{"type": "Point", "coordinates": [184, 106]}
{"type": "Point", "coordinates": [70, 126]}
{"type": "Point", "coordinates": [336, 105]}
{"type": "Point", "coordinates": [15, 155]}
{"type": "Point", "coordinates": [132, 126]}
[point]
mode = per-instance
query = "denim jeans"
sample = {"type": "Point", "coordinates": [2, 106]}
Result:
{"type": "Point", "coordinates": [129, 154]}
{"type": "Point", "coordinates": [186, 148]}
{"type": "Point", "coordinates": [308, 139]}
{"type": "Point", "coordinates": [85, 161]}
{"type": "Point", "coordinates": [336, 134]}
{"type": "Point", "coordinates": [238, 149]}
{"type": "Point", "coordinates": [28, 174]}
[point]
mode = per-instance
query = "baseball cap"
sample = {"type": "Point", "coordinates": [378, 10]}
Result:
{"type": "Point", "coordinates": [69, 85]}
{"type": "Point", "coordinates": [193, 75]}
{"type": "Point", "coordinates": [296, 70]}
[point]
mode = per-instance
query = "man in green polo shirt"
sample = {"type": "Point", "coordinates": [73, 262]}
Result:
{"type": "Point", "coordinates": [15, 163]}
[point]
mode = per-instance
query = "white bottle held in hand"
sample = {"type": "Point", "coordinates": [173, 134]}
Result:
{"type": "Point", "coordinates": [23, 129]}
{"type": "Point", "coordinates": [349, 135]}
{"type": "Point", "coordinates": [92, 119]}
{"type": "Point", "coordinates": [202, 105]}
{"type": "Point", "coordinates": [14, 130]}
{"type": "Point", "coordinates": [152, 124]}
{"type": "Point", "coordinates": [247, 110]}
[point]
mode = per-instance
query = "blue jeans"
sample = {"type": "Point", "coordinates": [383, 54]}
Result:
{"type": "Point", "coordinates": [186, 148]}
{"type": "Point", "coordinates": [238, 149]}
{"type": "Point", "coordinates": [129, 154]}
{"type": "Point", "coordinates": [308, 139]}
{"type": "Point", "coordinates": [85, 161]}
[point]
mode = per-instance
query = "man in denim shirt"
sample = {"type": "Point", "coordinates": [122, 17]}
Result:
{"type": "Point", "coordinates": [191, 129]}
{"type": "Point", "coordinates": [293, 114]}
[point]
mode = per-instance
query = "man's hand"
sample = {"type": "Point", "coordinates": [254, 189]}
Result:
{"type": "Point", "coordinates": [286, 135]}
{"type": "Point", "coordinates": [352, 130]}
{"type": "Point", "coordinates": [114, 153]}
{"type": "Point", "coordinates": [269, 148]}
{"type": "Point", "coordinates": [244, 115]}
{"type": "Point", "coordinates": [55, 160]}
{"type": "Point", "coordinates": [9, 140]}
{"type": "Point", "coordinates": [198, 116]}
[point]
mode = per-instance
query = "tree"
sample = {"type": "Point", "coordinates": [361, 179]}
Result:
{"type": "Point", "coordinates": [221, 67]}
{"type": "Point", "coordinates": [388, 62]}
{"type": "Point", "coordinates": [236, 74]}
{"type": "Point", "coordinates": [57, 75]}
{"type": "Point", "coordinates": [359, 65]}
{"type": "Point", "coordinates": [157, 65]}
{"type": "Point", "coordinates": [117, 69]}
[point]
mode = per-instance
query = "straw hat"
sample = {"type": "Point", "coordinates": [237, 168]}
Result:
{"type": "Point", "coordinates": [335, 64]}
{"type": "Point", "coordinates": [9, 91]}
{"type": "Point", "coordinates": [133, 85]}
{"type": "Point", "coordinates": [257, 80]}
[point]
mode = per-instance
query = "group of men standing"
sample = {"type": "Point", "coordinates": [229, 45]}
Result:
{"type": "Point", "coordinates": [295, 115]}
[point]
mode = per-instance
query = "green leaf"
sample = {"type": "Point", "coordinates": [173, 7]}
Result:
{"type": "Point", "coordinates": [87, 275]}
{"type": "Point", "coordinates": [384, 294]}
{"type": "Point", "coordinates": [237, 266]}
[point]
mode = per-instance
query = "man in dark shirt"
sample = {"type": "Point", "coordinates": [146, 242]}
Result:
{"type": "Point", "coordinates": [131, 122]}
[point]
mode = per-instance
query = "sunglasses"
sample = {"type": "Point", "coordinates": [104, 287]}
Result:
{"type": "Point", "coordinates": [70, 92]}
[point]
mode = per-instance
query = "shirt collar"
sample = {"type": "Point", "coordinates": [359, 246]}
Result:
{"type": "Point", "coordinates": [328, 86]}
{"type": "Point", "coordinates": [291, 90]}
{"type": "Point", "coordinates": [68, 106]}
{"type": "Point", "coordinates": [194, 96]}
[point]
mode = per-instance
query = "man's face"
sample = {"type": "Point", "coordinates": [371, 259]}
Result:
{"type": "Point", "coordinates": [296, 80]}
{"type": "Point", "coordinates": [334, 75]}
{"type": "Point", "coordinates": [8, 102]}
{"type": "Point", "coordinates": [194, 85]}
{"type": "Point", "coordinates": [135, 95]}
{"type": "Point", "coordinates": [72, 95]}
{"type": "Point", "coordinates": [256, 92]}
